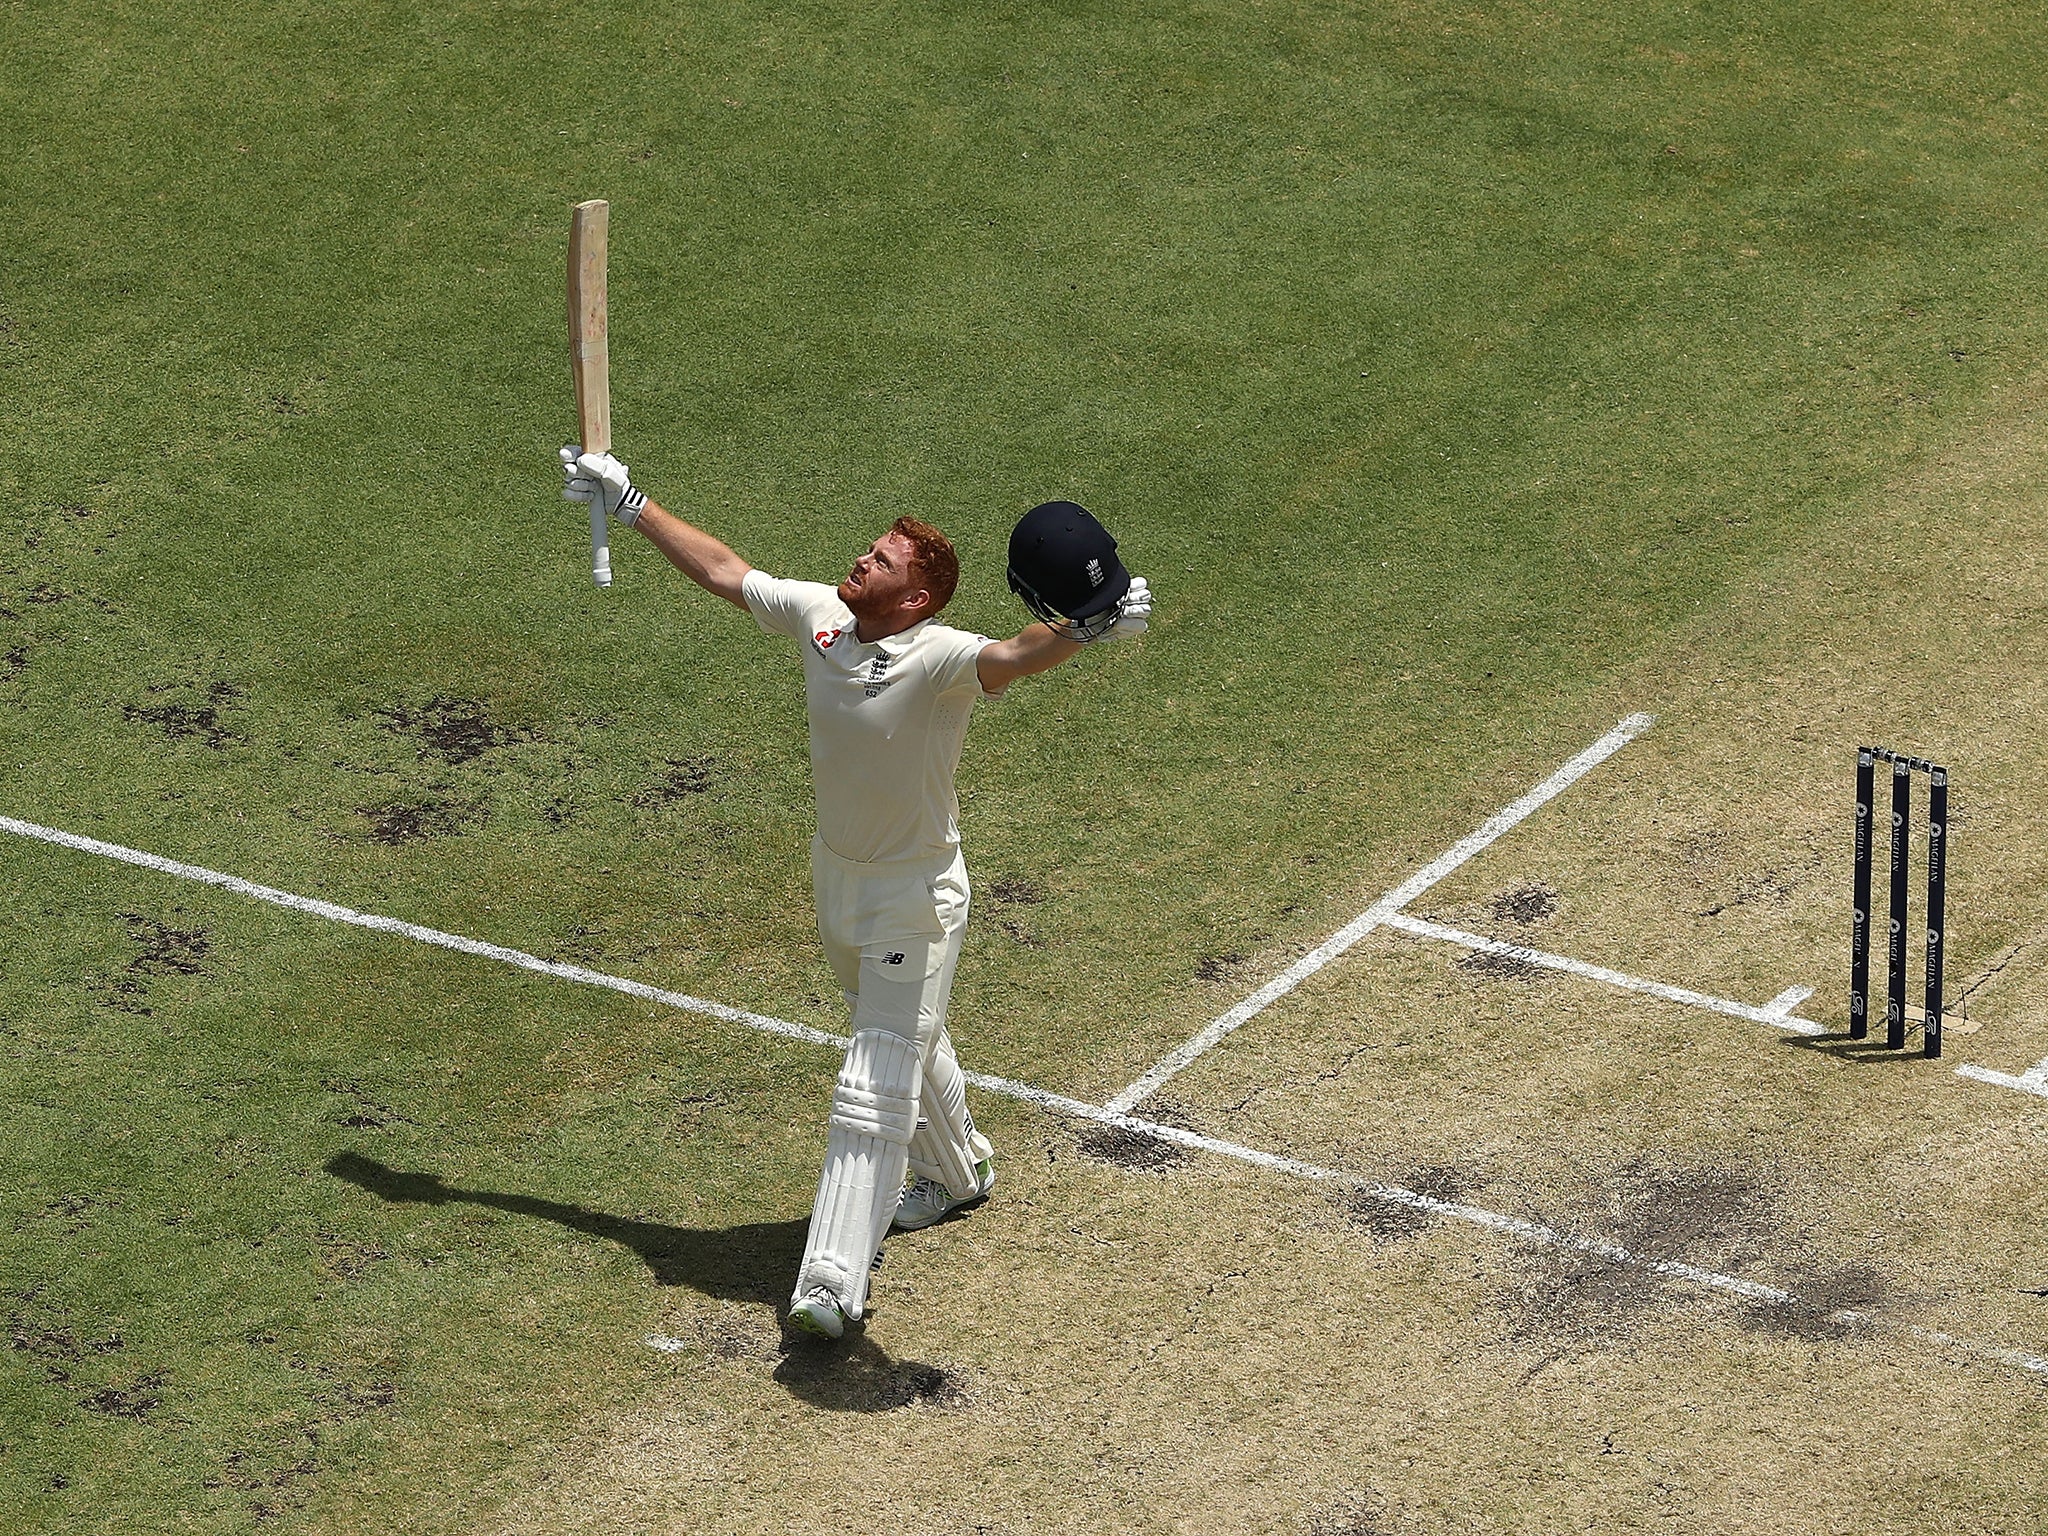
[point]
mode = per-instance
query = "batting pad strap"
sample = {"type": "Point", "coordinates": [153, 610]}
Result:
{"type": "Point", "coordinates": [947, 1147]}
{"type": "Point", "coordinates": [877, 1090]}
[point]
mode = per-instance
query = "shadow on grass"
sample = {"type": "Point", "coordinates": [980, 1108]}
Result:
{"type": "Point", "coordinates": [752, 1263]}
{"type": "Point", "coordinates": [1870, 1051]}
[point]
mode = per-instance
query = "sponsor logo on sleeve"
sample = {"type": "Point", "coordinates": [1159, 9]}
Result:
{"type": "Point", "coordinates": [825, 639]}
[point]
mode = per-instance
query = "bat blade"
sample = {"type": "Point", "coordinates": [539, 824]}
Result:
{"type": "Point", "coordinates": [590, 355]}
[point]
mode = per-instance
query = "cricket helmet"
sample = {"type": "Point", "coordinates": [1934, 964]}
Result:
{"type": "Point", "coordinates": [1063, 565]}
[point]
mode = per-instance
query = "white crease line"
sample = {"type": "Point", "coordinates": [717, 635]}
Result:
{"type": "Point", "coordinates": [1782, 1005]}
{"type": "Point", "coordinates": [2034, 1080]}
{"type": "Point", "coordinates": [1773, 1013]}
{"type": "Point", "coordinates": [1473, 1215]}
{"type": "Point", "coordinates": [1043, 1098]}
{"type": "Point", "coordinates": [1394, 1194]}
{"type": "Point", "coordinates": [435, 936]}
{"type": "Point", "coordinates": [1512, 1226]}
{"type": "Point", "coordinates": [1495, 1221]}
{"type": "Point", "coordinates": [2019, 1357]}
{"type": "Point", "coordinates": [1489, 833]}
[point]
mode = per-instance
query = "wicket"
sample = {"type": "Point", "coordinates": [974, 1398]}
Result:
{"type": "Point", "coordinates": [1903, 768]}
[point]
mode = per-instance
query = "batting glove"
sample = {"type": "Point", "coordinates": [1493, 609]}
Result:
{"type": "Point", "coordinates": [587, 476]}
{"type": "Point", "coordinates": [1136, 613]}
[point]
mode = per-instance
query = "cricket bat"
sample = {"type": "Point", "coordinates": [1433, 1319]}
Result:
{"type": "Point", "coordinates": [590, 357]}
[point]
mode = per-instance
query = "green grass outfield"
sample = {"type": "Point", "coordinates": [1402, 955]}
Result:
{"type": "Point", "coordinates": [1436, 364]}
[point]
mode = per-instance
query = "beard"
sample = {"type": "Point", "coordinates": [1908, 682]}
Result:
{"type": "Point", "coordinates": [868, 615]}
{"type": "Point", "coordinates": [859, 599]}
{"type": "Point", "coordinates": [872, 601]}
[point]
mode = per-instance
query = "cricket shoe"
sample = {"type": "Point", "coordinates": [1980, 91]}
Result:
{"type": "Point", "coordinates": [926, 1201]}
{"type": "Point", "coordinates": [819, 1313]}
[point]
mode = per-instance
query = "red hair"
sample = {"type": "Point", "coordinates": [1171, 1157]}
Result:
{"type": "Point", "coordinates": [932, 553]}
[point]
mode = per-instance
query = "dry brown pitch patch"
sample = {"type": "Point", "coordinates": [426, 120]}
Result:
{"type": "Point", "coordinates": [1136, 1337]}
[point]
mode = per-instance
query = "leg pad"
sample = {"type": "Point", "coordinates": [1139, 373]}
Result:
{"type": "Point", "coordinates": [874, 1114]}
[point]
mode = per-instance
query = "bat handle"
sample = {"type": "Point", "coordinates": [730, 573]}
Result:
{"type": "Point", "coordinates": [600, 543]}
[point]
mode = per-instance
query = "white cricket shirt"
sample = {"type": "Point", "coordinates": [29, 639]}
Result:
{"type": "Point", "coordinates": [887, 721]}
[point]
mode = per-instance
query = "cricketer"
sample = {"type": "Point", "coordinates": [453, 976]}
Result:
{"type": "Point", "coordinates": [889, 691]}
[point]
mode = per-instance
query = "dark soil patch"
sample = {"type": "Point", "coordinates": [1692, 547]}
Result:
{"type": "Point", "coordinates": [855, 1375]}
{"type": "Point", "coordinates": [586, 945]}
{"type": "Point", "coordinates": [13, 661]}
{"type": "Point", "coordinates": [134, 1401]}
{"type": "Point", "coordinates": [1525, 904]}
{"type": "Point", "coordinates": [1499, 967]}
{"type": "Point", "coordinates": [178, 719]}
{"type": "Point", "coordinates": [165, 951]}
{"type": "Point", "coordinates": [1390, 1221]}
{"type": "Point", "coordinates": [1129, 1149]}
{"type": "Point", "coordinates": [1770, 886]}
{"type": "Point", "coordinates": [1362, 1514]}
{"type": "Point", "coordinates": [378, 1394]}
{"type": "Point", "coordinates": [680, 778]}
{"type": "Point", "coordinates": [559, 812]}
{"type": "Point", "coordinates": [1218, 967]}
{"type": "Point", "coordinates": [727, 1345]}
{"type": "Point", "coordinates": [727, 1338]}
{"type": "Point", "coordinates": [1817, 1297]}
{"type": "Point", "coordinates": [44, 595]}
{"type": "Point", "coordinates": [1000, 899]}
{"type": "Point", "coordinates": [457, 729]}
{"type": "Point", "coordinates": [1688, 1213]}
{"type": "Point", "coordinates": [56, 1342]}
{"type": "Point", "coordinates": [251, 1472]}
{"type": "Point", "coordinates": [412, 821]}
{"type": "Point", "coordinates": [124, 993]}
{"type": "Point", "coordinates": [73, 1211]}
{"type": "Point", "coordinates": [346, 1259]}
{"type": "Point", "coordinates": [365, 1112]}
{"type": "Point", "coordinates": [1712, 1217]}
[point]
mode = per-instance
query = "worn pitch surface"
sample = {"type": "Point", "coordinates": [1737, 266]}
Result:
{"type": "Point", "coordinates": [1226, 1349]}
{"type": "Point", "coordinates": [1464, 382]}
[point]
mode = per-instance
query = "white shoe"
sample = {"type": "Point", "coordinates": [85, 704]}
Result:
{"type": "Point", "coordinates": [926, 1201]}
{"type": "Point", "coordinates": [820, 1313]}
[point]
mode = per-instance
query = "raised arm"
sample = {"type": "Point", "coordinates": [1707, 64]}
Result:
{"type": "Point", "coordinates": [1041, 647]}
{"type": "Point", "coordinates": [1038, 648]}
{"type": "Point", "coordinates": [699, 556]}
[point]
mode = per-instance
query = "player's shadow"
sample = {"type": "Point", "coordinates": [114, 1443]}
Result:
{"type": "Point", "coordinates": [752, 1264]}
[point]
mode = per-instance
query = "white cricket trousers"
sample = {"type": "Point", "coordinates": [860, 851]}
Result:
{"type": "Point", "coordinates": [892, 936]}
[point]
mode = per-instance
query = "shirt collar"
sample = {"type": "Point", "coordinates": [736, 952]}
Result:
{"type": "Point", "coordinates": [895, 645]}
